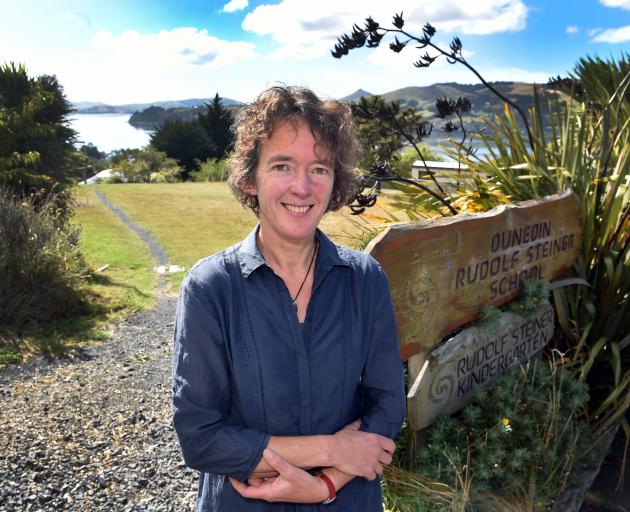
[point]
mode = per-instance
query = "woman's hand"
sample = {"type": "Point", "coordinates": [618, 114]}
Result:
{"type": "Point", "coordinates": [361, 453]}
{"type": "Point", "coordinates": [292, 485]}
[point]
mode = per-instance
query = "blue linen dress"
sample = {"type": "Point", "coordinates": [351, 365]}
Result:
{"type": "Point", "coordinates": [243, 372]}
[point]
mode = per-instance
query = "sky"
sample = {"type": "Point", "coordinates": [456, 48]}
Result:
{"type": "Point", "coordinates": [139, 51]}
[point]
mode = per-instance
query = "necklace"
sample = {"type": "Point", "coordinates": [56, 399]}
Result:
{"type": "Point", "coordinates": [308, 271]}
{"type": "Point", "coordinates": [310, 265]}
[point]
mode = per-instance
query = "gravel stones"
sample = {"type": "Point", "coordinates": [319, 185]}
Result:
{"type": "Point", "coordinates": [94, 431]}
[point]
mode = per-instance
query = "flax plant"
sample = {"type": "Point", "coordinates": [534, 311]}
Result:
{"type": "Point", "coordinates": [586, 147]}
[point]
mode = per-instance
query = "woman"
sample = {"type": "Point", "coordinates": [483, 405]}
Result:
{"type": "Point", "coordinates": [287, 380]}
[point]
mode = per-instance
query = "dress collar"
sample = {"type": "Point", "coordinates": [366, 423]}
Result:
{"type": "Point", "coordinates": [250, 258]}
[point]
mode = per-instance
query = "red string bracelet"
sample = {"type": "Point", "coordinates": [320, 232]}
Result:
{"type": "Point", "coordinates": [332, 492]}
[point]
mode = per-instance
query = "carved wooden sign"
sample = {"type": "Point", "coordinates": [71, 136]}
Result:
{"type": "Point", "coordinates": [446, 381]}
{"type": "Point", "coordinates": [442, 271]}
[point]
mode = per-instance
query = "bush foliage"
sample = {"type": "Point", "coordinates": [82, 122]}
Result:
{"type": "Point", "coordinates": [521, 433]}
{"type": "Point", "coordinates": [147, 165]}
{"type": "Point", "coordinates": [36, 142]}
{"type": "Point", "coordinates": [40, 264]}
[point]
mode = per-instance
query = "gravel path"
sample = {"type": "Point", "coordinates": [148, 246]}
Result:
{"type": "Point", "coordinates": [156, 250]}
{"type": "Point", "coordinates": [93, 431]}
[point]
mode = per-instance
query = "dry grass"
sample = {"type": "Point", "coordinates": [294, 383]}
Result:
{"type": "Point", "coordinates": [193, 220]}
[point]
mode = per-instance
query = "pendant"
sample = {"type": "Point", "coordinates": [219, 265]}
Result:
{"type": "Point", "coordinates": [295, 306]}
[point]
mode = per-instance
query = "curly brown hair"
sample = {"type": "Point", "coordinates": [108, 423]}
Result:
{"type": "Point", "coordinates": [330, 122]}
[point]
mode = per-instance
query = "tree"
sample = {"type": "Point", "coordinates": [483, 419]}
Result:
{"type": "Point", "coordinates": [586, 149]}
{"type": "Point", "coordinates": [146, 165]}
{"type": "Point", "coordinates": [36, 143]}
{"type": "Point", "coordinates": [188, 143]}
{"type": "Point", "coordinates": [92, 151]}
{"type": "Point", "coordinates": [383, 129]}
{"type": "Point", "coordinates": [217, 121]}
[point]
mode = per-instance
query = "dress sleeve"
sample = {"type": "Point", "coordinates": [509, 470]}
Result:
{"type": "Point", "coordinates": [202, 388]}
{"type": "Point", "coordinates": [382, 382]}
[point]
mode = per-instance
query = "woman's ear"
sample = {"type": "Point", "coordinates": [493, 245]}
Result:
{"type": "Point", "coordinates": [251, 188]}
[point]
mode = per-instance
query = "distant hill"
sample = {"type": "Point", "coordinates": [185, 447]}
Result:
{"type": "Point", "coordinates": [151, 118]}
{"type": "Point", "coordinates": [423, 98]}
{"type": "Point", "coordinates": [91, 107]}
{"type": "Point", "coordinates": [484, 101]}
{"type": "Point", "coordinates": [359, 93]}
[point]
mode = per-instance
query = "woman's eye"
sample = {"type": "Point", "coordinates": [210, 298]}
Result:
{"type": "Point", "coordinates": [281, 167]}
{"type": "Point", "coordinates": [321, 170]}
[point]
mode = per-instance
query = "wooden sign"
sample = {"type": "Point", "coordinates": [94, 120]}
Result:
{"type": "Point", "coordinates": [446, 381]}
{"type": "Point", "coordinates": [442, 271]}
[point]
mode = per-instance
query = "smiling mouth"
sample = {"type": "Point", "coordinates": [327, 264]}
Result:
{"type": "Point", "coordinates": [297, 209]}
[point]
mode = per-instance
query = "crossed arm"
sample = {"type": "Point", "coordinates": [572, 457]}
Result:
{"type": "Point", "coordinates": [280, 475]}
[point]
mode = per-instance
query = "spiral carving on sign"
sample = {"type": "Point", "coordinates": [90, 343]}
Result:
{"type": "Point", "coordinates": [420, 297]}
{"type": "Point", "coordinates": [441, 389]}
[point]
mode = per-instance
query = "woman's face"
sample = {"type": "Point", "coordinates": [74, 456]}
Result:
{"type": "Point", "coordinates": [293, 184]}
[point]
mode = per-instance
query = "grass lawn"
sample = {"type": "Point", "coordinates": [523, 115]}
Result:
{"type": "Point", "coordinates": [194, 220]}
{"type": "Point", "coordinates": [128, 283]}
{"type": "Point", "coordinates": [190, 220]}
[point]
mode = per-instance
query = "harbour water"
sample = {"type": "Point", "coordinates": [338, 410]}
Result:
{"type": "Point", "coordinates": [108, 131]}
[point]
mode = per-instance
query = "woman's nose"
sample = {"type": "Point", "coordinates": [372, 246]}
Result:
{"type": "Point", "coordinates": [301, 184]}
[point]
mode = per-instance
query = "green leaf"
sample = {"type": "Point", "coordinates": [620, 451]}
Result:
{"type": "Point", "coordinates": [615, 361]}
{"type": "Point", "coordinates": [595, 350]}
{"type": "Point", "coordinates": [568, 282]}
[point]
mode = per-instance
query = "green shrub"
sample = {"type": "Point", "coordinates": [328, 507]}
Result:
{"type": "Point", "coordinates": [146, 165]}
{"type": "Point", "coordinates": [519, 437]}
{"type": "Point", "coordinates": [40, 264]}
{"type": "Point", "coordinates": [115, 179]}
{"type": "Point", "coordinates": [211, 170]}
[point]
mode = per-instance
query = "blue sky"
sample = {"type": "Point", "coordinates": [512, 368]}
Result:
{"type": "Point", "coordinates": [124, 51]}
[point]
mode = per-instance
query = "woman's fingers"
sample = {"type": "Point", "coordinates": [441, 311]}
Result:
{"type": "Point", "coordinates": [239, 487]}
{"type": "Point", "coordinates": [357, 453]}
{"type": "Point", "coordinates": [262, 491]}
{"type": "Point", "coordinates": [291, 485]}
{"type": "Point", "coordinates": [388, 445]}
{"type": "Point", "coordinates": [385, 458]}
{"type": "Point", "coordinates": [278, 463]}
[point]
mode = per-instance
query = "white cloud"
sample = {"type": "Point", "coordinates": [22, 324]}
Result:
{"type": "Point", "coordinates": [176, 48]}
{"type": "Point", "coordinates": [572, 29]}
{"type": "Point", "coordinates": [130, 66]}
{"type": "Point", "coordinates": [302, 30]}
{"type": "Point", "coordinates": [235, 5]}
{"type": "Point", "coordinates": [624, 4]}
{"type": "Point", "coordinates": [611, 35]}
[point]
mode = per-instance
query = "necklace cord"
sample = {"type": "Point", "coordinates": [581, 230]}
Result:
{"type": "Point", "coordinates": [294, 299]}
